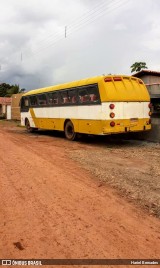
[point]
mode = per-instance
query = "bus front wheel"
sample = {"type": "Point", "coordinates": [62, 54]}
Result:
{"type": "Point", "coordinates": [29, 128]}
{"type": "Point", "coordinates": [69, 131]}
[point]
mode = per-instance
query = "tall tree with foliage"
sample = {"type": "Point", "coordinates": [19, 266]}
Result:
{"type": "Point", "coordinates": [7, 90]}
{"type": "Point", "coordinates": [138, 66]}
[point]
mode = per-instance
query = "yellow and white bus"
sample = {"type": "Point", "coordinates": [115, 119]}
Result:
{"type": "Point", "coordinates": [100, 106]}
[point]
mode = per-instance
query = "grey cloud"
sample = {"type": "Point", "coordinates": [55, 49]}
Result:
{"type": "Point", "coordinates": [110, 44]}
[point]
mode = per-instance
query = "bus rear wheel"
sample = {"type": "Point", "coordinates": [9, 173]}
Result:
{"type": "Point", "coordinates": [69, 131]}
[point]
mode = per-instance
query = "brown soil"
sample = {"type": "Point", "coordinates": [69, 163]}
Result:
{"type": "Point", "coordinates": [51, 207]}
{"type": "Point", "coordinates": [132, 167]}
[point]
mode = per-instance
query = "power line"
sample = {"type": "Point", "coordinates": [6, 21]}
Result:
{"type": "Point", "coordinates": [82, 21]}
{"type": "Point", "coordinates": [74, 20]}
{"type": "Point", "coordinates": [58, 36]}
{"type": "Point", "coordinates": [72, 29]}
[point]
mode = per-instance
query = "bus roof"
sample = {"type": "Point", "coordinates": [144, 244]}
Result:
{"type": "Point", "coordinates": [77, 83]}
{"type": "Point", "coordinates": [120, 87]}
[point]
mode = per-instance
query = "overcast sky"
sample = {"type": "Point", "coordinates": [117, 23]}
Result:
{"type": "Point", "coordinates": [102, 37]}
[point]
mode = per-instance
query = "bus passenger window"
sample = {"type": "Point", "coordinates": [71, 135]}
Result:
{"type": "Point", "coordinates": [72, 95]}
{"type": "Point", "coordinates": [93, 92]}
{"type": "Point", "coordinates": [42, 100]}
{"type": "Point", "coordinates": [24, 102]}
{"type": "Point", "coordinates": [93, 97]}
{"type": "Point", "coordinates": [64, 97]}
{"type": "Point", "coordinates": [50, 98]}
{"type": "Point", "coordinates": [33, 101]}
{"type": "Point", "coordinates": [53, 98]}
{"type": "Point", "coordinates": [83, 96]}
{"type": "Point", "coordinates": [74, 99]}
{"type": "Point", "coordinates": [65, 100]}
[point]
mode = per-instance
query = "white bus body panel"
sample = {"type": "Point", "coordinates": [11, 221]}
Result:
{"type": "Point", "coordinates": [122, 110]}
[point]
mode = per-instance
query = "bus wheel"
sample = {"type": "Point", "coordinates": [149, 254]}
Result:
{"type": "Point", "coordinates": [69, 131]}
{"type": "Point", "coordinates": [29, 128]}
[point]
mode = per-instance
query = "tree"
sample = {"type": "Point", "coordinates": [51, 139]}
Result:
{"type": "Point", "coordinates": [7, 90]}
{"type": "Point", "coordinates": [4, 89]}
{"type": "Point", "coordinates": [22, 90]}
{"type": "Point", "coordinates": [14, 89]}
{"type": "Point", "coordinates": [138, 66]}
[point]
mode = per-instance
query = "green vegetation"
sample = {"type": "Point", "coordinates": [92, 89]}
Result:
{"type": "Point", "coordinates": [7, 90]}
{"type": "Point", "coordinates": [138, 66]}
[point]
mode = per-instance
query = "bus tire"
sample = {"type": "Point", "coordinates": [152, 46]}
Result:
{"type": "Point", "coordinates": [70, 134]}
{"type": "Point", "coordinates": [29, 128]}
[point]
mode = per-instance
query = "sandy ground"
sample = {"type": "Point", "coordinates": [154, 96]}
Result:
{"type": "Point", "coordinates": [130, 166]}
{"type": "Point", "coordinates": [51, 207]}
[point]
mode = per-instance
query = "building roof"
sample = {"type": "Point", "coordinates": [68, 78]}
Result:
{"type": "Point", "coordinates": [5, 100]}
{"type": "Point", "coordinates": [146, 72]}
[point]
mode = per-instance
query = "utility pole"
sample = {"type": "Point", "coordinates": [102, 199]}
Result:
{"type": "Point", "coordinates": [65, 31]}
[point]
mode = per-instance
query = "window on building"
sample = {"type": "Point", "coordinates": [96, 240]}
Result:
{"type": "Point", "coordinates": [155, 105]}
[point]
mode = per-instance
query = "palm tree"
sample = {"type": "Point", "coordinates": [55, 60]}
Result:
{"type": "Point", "coordinates": [138, 66]}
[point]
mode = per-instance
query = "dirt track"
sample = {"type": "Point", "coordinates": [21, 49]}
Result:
{"type": "Point", "coordinates": [56, 209]}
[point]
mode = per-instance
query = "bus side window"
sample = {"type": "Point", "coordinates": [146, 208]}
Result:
{"type": "Point", "coordinates": [72, 94]}
{"type": "Point", "coordinates": [53, 98]}
{"type": "Point", "coordinates": [64, 98]}
{"type": "Point", "coordinates": [83, 96]}
{"type": "Point", "coordinates": [33, 101]}
{"type": "Point", "coordinates": [93, 92]}
{"type": "Point", "coordinates": [42, 99]}
{"type": "Point", "coordinates": [24, 102]}
{"type": "Point", "coordinates": [74, 99]}
{"type": "Point", "coordinates": [93, 97]}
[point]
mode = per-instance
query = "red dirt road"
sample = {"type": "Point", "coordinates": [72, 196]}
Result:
{"type": "Point", "coordinates": [56, 209]}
